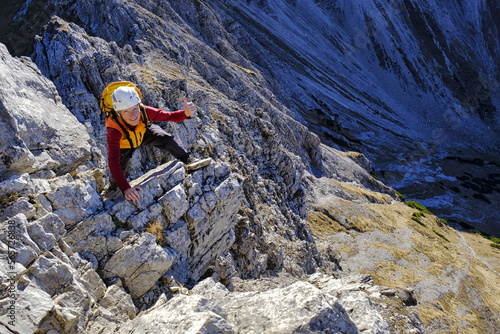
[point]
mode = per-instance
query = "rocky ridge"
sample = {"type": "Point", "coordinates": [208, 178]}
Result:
{"type": "Point", "coordinates": [280, 225]}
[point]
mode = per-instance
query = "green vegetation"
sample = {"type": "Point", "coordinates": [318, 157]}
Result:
{"type": "Point", "coordinates": [416, 216]}
{"type": "Point", "coordinates": [400, 196]}
{"type": "Point", "coordinates": [441, 235]}
{"type": "Point", "coordinates": [496, 241]}
{"type": "Point", "coordinates": [443, 221]}
{"type": "Point", "coordinates": [418, 206]}
{"type": "Point", "coordinates": [422, 211]}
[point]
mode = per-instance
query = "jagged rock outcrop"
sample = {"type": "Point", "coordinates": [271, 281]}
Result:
{"type": "Point", "coordinates": [279, 227]}
{"type": "Point", "coordinates": [77, 254]}
{"type": "Point", "coordinates": [49, 286]}
{"type": "Point", "coordinates": [322, 304]}
{"type": "Point", "coordinates": [61, 143]}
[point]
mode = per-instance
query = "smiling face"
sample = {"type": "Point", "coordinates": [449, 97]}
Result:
{"type": "Point", "coordinates": [131, 116]}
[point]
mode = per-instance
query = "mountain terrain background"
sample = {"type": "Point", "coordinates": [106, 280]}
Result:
{"type": "Point", "coordinates": [315, 113]}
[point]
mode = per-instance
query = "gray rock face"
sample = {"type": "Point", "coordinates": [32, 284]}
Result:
{"type": "Point", "coordinates": [40, 133]}
{"type": "Point", "coordinates": [140, 263]}
{"type": "Point", "coordinates": [60, 289]}
{"type": "Point", "coordinates": [323, 304]}
{"type": "Point", "coordinates": [70, 243]}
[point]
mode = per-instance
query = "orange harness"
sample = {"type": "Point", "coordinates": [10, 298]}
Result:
{"type": "Point", "coordinates": [130, 138]}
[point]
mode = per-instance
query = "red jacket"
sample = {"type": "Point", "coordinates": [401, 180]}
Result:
{"type": "Point", "coordinates": [115, 136]}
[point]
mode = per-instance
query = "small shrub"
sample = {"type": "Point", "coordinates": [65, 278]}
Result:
{"type": "Point", "coordinates": [495, 246]}
{"type": "Point", "coordinates": [156, 228]}
{"type": "Point", "coordinates": [494, 239]}
{"type": "Point", "coordinates": [443, 221]}
{"type": "Point", "coordinates": [400, 196]}
{"type": "Point", "coordinates": [418, 206]}
{"type": "Point", "coordinates": [6, 200]}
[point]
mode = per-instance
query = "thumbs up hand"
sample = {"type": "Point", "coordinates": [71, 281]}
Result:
{"type": "Point", "coordinates": [189, 107]}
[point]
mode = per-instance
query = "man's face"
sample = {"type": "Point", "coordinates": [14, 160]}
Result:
{"type": "Point", "coordinates": [131, 116]}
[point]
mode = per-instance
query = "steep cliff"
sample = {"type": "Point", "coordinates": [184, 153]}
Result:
{"type": "Point", "coordinates": [412, 85]}
{"type": "Point", "coordinates": [282, 233]}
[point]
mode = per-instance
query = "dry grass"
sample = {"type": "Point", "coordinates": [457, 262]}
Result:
{"type": "Point", "coordinates": [455, 275]}
{"type": "Point", "coordinates": [6, 200]}
{"type": "Point", "coordinates": [156, 228]}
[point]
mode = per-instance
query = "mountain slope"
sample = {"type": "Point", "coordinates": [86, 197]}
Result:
{"type": "Point", "coordinates": [279, 216]}
{"type": "Point", "coordinates": [409, 84]}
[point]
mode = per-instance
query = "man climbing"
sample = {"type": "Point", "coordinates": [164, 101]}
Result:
{"type": "Point", "coordinates": [128, 127]}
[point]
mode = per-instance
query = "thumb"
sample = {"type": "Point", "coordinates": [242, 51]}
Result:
{"type": "Point", "coordinates": [188, 109]}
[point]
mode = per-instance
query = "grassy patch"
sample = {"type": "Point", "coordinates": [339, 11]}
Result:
{"type": "Point", "coordinates": [418, 206]}
{"type": "Point", "coordinates": [441, 235]}
{"type": "Point", "coordinates": [322, 224]}
{"type": "Point", "coordinates": [443, 221]}
{"type": "Point", "coordinates": [400, 196]}
{"type": "Point", "coordinates": [6, 200]}
{"type": "Point", "coordinates": [417, 216]}
{"type": "Point", "coordinates": [496, 241]}
{"type": "Point", "coordinates": [422, 211]}
{"type": "Point", "coordinates": [156, 228]}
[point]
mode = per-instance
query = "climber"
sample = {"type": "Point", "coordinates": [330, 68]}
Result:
{"type": "Point", "coordinates": [129, 128]}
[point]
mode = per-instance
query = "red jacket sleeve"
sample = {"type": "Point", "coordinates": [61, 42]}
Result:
{"type": "Point", "coordinates": [114, 136]}
{"type": "Point", "coordinates": [114, 158]}
{"type": "Point", "coordinates": [159, 115]}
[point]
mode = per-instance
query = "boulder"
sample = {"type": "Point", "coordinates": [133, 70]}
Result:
{"type": "Point", "coordinates": [311, 306]}
{"type": "Point", "coordinates": [182, 314]}
{"type": "Point", "coordinates": [140, 263]}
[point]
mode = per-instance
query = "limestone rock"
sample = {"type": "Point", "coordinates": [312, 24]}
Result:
{"type": "Point", "coordinates": [14, 235]}
{"type": "Point", "coordinates": [182, 314]}
{"type": "Point", "coordinates": [73, 201]}
{"type": "Point", "coordinates": [43, 268]}
{"type": "Point", "coordinates": [14, 184]}
{"type": "Point", "coordinates": [92, 238]}
{"type": "Point", "coordinates": [299, 307]}
{"type": "Point", "coordinates": [140, 263]}
{"type": "Point", "coordinates": [46, 231]}
{"type": "Point", "coordinates": [197, 214]}
{"type": "Point", "coordinates": [40, 132]}
{"type": "Point", "coordinates": [174, 203]}
{"type": "Point", "coordinates": [119, 303]}
{"type": "Point", "coordinates": [25, 322]}
{"type": "Point", "coordinates": [211, 222]}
